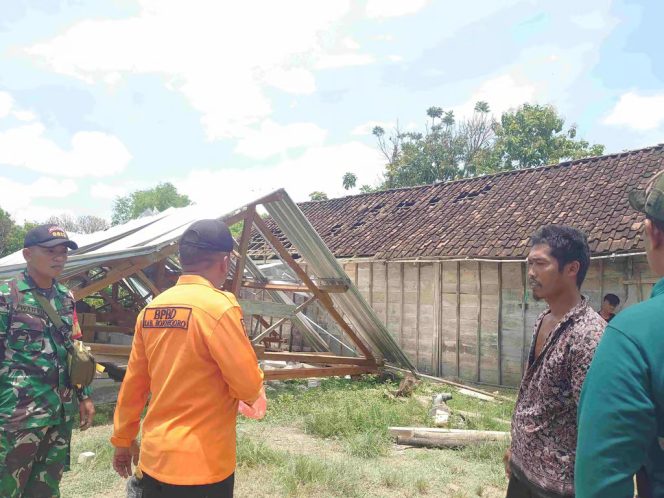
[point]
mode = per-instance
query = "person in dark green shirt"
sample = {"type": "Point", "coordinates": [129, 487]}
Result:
{"type": "Point", "coordinates": [621, 410]}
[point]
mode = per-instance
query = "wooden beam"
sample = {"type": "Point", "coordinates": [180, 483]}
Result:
{"type": "Point", "coordinates": [479, 320]}
{"type": "Point", "coordinates": [325, 300]}
{"type": "Point", "coordinates": [403, 303]}
{"type": "Point", "coordinates": [601, 281]}
{"type": "Point", "coordinates": [444, 438]}
{"type": "Point", "coordinates": [523, 319]}
{"type": "Point", "coordinates": [303, 373]}
{"type": "Point", "coordinates": [110, 349]}
{"type": "Point", "coordinates": [315, 358]}
{"type": "Point", "coordinates": [123, 270]}
{"type": "Point", "coordinates": [500, 323]}
{"type": "Point", "coordinates": [292, 287]}
{"type": "Point", "coordinates": [458, 320]}
{"type": "Point", "coordinates": [144, 278]}
{"type": "Point", "coordinates": [417, 317]}
{"type": "Point", "coordinates": [243, 246]}
{"type": "Point", "coordinates": [112, 329]}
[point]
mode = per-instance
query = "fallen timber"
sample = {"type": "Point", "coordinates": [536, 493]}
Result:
{"type": "Point", "coordinates": [444, 438]}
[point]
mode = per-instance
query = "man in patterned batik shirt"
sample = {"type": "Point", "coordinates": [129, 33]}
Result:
{"type": "Point", "coordinates": [37, 402]}
{"type": "Point", "coordinates": [540, 462]}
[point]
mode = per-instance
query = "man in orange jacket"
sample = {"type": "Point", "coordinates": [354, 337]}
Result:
{"type": "Point", "coordinates": [191, 354]}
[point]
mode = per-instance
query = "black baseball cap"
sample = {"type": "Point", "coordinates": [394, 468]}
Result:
{"type": "Point", "coordinates": [211, 235]}
{"type": "Point", "coordinates": [48, 235]}
{"type": "Point", "coordinates": [650, 200]}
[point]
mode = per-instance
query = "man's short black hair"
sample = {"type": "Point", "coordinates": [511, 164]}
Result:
{"type": "Point", "coordinates": [567, 244]}
{"type": "Point", "coordinates": [612, 299]}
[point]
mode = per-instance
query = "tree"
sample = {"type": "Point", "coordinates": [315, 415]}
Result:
{"type": "Point", "coordinates": [159, 198]}
{"type": "Point", "coordinates": [11, 234]}
{"type": "Point", "coordinates": [82, 224]}
{"type": "Point", "coordinates": [349, 180]}
{"type": "Point", "coordinates": [533, 135]}
{"type": "Point", "coordinates": [65, 221]}
{"type": "Point", "coordinates": [90, 224]}
{"type": "Point", "coordinates": [6, 227]}
{"type": "Point", "coordinates": [448, 149]}
{"type": "Point", "coordinates": [317, 196]}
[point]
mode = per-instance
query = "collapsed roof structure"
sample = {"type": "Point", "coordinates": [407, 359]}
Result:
{"type": "Point", "coordinates": [118, 271]}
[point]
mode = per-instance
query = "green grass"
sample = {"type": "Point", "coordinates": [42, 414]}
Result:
{"type": "Point", "coordinates": [332, 441]}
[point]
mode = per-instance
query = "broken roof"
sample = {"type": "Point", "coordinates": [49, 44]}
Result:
{"type": "Point", "coordinates": [491, 216]}
{"type": "Point", "coordinates": [147, 240]}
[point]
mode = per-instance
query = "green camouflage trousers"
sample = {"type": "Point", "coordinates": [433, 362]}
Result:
{"type": "Point", "coordinates": [32, 461]}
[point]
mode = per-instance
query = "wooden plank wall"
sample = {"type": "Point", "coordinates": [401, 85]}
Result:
{"type": "Point", "coordinates": [474, 321]}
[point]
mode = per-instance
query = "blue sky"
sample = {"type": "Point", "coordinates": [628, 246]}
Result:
{"type": "Point", "coordinates": [99, 98]}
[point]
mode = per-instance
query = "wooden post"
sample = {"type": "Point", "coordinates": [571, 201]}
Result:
{"type": "Point", "coordinates": [401, 279]}
{"type": "Point", "coordinates": [523, 318]}
{"type": "Point", "coordinates": [437, 311]}
{"type": "Point", "coordinates": [146, 280]}
{"type": "Point", "coordinates": [601, 281]}
{"type": "Point", "coordinates": [371, 277]}
{"type": "Point", "coordinates": [417, 319]}
{"type": "Point", "coordinates": [387, 294]}
{"type": "Point", "coordinates": [500, 324]}
{"type": "Point", "coordinates": [479, 319]}
{"type": "Point", "coordinates": [458, 319]}
{"type": "Point", "coordinates": [244, 244]}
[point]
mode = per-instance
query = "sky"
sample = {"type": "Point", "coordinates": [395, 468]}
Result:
{"type": "Point", "coordinates": [230, 101]}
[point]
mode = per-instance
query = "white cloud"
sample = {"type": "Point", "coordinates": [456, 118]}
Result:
{"type": "Point", "coordinates": [24, 115]}
{"type": "Point", "coordinates": [220, 57]}
{"type": "Point", "coordinates": [6, 103]}
{"type": "Point", "coordinates": [595, 20]}
{"type": "Point", "coordinates": [394, 58]}
{"type": "Point", "coordinates": [296, 81]}
{"type": "Point", "coordinates": [502, 92]}
{"type": "Point", "coordinates": [639, 112]}
{"type": "Point", "coordinates": [394, 8]}
{"type": "Point", "coordinates": [106, 191]}
{"type": "Point", "coordinates": [367, 128]}
{"type": "Point", "coordinates": [19, 198]}
{"type": "Point", "coordinates": [273, 138]}
{"type": "Point", "coordinates": [335, 61]}
{"type": "Point", "coordinates": [91, 153]}
{"type": "Point", "coordinates": [319, 168]}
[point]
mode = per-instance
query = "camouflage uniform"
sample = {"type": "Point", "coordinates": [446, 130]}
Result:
{"type": "Point", "coordinates": [37, 403]}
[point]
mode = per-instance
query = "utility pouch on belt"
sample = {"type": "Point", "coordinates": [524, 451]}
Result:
{"type": "Point", "coordinates": [80, 362]}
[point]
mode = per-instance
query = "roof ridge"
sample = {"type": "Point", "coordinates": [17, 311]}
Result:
{"type": "Point", "coordinates": [492, 175]}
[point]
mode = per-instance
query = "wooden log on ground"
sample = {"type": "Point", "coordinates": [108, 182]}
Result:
{"type": "Point", "coordinates": [473, 394]}
{"type": "Point", "coordinates": [444, 438]}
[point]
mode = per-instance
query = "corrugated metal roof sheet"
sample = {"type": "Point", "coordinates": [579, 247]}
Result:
{"type": "Point", "coordinates": [150, 234]}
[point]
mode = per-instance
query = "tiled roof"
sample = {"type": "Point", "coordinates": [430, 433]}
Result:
{"type": "Point", "coordinates": [491, 216]}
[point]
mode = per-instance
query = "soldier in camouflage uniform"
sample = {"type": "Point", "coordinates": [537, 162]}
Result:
{"type": "Point", "coordinates": [37, 402]}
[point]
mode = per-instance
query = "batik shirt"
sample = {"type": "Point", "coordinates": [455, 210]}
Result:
{"type": "Point", "coordinates": [34, 380]}
{"type": "Point", "coordinates": [544, 427]}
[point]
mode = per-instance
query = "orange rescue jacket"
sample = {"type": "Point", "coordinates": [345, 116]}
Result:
{"type": "Point", "coordinates": [191, 353]}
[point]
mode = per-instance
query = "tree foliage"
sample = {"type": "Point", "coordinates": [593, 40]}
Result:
{"type": "Point", "coordinates": [159, 198]}
{"type": "Point", "coordinates": [449, 149]}
{"type": "Point", "coordinates": [11, 234]}
{"type": "Point", "coordinates": [317, 196]}
{"type": "Point", "coordinates": [534, 135]}
{"type": "Point", "coordinates": [349, 180]}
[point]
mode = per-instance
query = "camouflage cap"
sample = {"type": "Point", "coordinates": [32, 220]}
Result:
{"type": "Point", "coordinates": [651, 199]}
